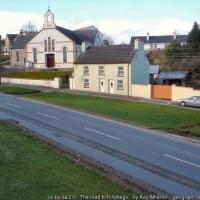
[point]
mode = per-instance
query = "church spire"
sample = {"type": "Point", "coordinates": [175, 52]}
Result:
{"type": "Point", "coordinates": [49, 19]}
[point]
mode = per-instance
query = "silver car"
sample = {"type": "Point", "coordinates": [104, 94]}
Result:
{"type": "Point", "coordinates": [192, 101]}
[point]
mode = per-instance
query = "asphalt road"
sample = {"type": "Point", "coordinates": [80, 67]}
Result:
{"type": "Point", "coordinates": [165, 162]}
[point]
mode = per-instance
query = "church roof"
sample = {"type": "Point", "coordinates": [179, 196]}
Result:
{"type": "Point", "coordinates": [70, 34]}
{"type": "Point", "coordinates": [21, 41]}
{"type": "Point", "coordinates": [113, 54]}
{"type": "Point", "coordinates": [87, 34]}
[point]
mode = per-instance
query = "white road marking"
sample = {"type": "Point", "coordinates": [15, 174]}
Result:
{"type": "Point", "coordinates": [89, 129]}
{"type": "Point", "coordinates": [49, 116]}
{"type": "Point", "coordinates": [13, 105]}
{"type": "Point", "coordinates": [184, 161]}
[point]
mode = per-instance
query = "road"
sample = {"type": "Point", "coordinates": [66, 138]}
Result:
{"type": "Point", "coordinates": [165, 162]}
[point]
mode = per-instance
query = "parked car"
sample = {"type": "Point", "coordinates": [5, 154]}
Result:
{"type": "Point", "coordinates": [192, 101]}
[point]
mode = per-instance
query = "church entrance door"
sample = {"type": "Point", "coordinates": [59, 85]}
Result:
{"type": "Point", "coordinates": [50, 60]}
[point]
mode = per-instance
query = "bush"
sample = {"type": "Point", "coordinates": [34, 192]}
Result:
{"type": "Point", "coordinates": [40, 75]}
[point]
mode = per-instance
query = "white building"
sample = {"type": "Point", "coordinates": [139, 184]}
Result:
{"type": "Point", "coordinates": [57, 47]}
{"type": "Point", "coordinates": [159, 42]}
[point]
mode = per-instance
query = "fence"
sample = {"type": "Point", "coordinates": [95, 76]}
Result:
{"type": "Point", "coordinates": [161, 92]}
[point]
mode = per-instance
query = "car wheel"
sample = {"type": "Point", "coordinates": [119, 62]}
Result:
{"type": "Point", "coordinates": [182, 103]}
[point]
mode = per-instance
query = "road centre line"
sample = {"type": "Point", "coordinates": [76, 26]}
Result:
{"type": "Point", "coordinates": [13, 105]}
{"type": "Point", "coordinates": [110, 136]}
{"type": "Point", "coordinates": [49, 116]}
{"type": "Point", "coordinates": [184, 161]}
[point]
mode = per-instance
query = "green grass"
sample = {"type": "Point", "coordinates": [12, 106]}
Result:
{"type": "Point", "coordinates": [49, 75]}
{"type": "Point", "coordinates": [151, 115]}
{"type": "Point", "coordinates": [16, 90]}
{"type": "Point", "coordinates": [32, 170]}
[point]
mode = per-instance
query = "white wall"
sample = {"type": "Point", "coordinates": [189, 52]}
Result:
{"type": "Point", "coordinates": [60, 41]}
{"type": "Point", "coordinates": [143, 91]}
{"type": "Point", "coordinates": [183, 92]}
{"type": "Point", "coordinates": [56, 83]}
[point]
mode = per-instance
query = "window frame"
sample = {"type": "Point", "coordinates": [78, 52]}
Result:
{"type": "Point", "coordinates": [101, 71]}
{"type": "Point", "coordinates": [65, 56]}
{"type": "Point", "coordinates": [34, 55]}
{"type": "Point", "coordinates": [120, 86]}
{"type": "Point", "coordinates": [17, 56]}
{"type": "Point", "coordinates": [86, 72]}
{"type": "Point", "coordinates": [86, 83]}
{"type": "Point", "coordinates": [45, 45]}
{"type": "Point", "coordinates": [120, 72]}
{"type": "Point", "coordinates": [53, 44]}
{"type": "Point", "coordinates": [49, 44]}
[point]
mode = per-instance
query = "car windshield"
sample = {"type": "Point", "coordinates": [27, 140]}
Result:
{"type": "Point", "coordinates": [193, 98]}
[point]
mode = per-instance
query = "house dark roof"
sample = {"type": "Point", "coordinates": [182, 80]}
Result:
{"type": "Point", "coordinates": [70, 34]}
{"type": "Point", "coordinates": [11, 36]}
{"type": "Point", "coordinates": [160, 39]}
{"type": "Point", "coordinates": [173, 75]}
{"type": "Point", "coordinates": [107, 55]}
{"type": "Point", "coordinates": [21, 41]}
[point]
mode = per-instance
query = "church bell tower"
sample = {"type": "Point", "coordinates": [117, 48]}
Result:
{"type": "Point", "coordinates": [49, 20]}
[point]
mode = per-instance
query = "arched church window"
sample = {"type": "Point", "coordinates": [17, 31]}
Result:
{"type": "Point", "coordinates": [48, 18]}
{"type": "Point", "coordinates": [53, 45]}
{"type": "Point", "coordinates": [17, 56]}
{"type": "Point", "coordinates": [34, 55]}
{"type": "Point", "coordinates": [45, 45]}
{"type": "Point", "coordinates": [49, 44]}
{"type": "Point", "coordinates": [64, 54]}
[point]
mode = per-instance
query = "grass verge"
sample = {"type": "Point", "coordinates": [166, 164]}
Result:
{"type": "Point", "coordinates": [151, 115]}
{"type": "Point", "coordinates": [32, 170]}
{"type": "Point", "coordinates": [16, 90]}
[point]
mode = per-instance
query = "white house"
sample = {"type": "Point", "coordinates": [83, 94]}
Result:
{"type": "Point", "coordinates": [159, 42]}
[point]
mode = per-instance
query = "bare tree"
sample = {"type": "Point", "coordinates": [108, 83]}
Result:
{"type": "Point", "coordinates": [108, 39]}
{"type": "Point", "coordinates": [29, 28]}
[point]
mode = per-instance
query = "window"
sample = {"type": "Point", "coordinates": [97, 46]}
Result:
{"type": "Point", "coordinates": [151, 46]}
{"type": "Point", "coordinates": [45, 45]}
{"type": "Point", "coordinates": [86, 71]}
{"type": "Point", "coordinates": [120, 71]}
{"type": "Point", "coordinates": [53, 45]}
{"type": "Point", "coordinates": [101, 71]}
{"type": "Point", "coordinates": [17, 56]}
{"type": "Point", "coordinates": [49, 44]}
{"type": "Point", "coordinates": [34, 55]}
{"type": "Point", "coordinates": [120, 84]}
{"type": "Point", "coordinates": [155, 46]}
{"type": "Point", "coordinates": [86, 83]}
{"type": "Point", "coordinates": [64, 54]}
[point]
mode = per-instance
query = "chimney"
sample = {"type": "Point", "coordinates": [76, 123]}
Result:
{"type": "Point", "coordinates": [147, 36]}
{"type": "Point", "coordinates": [22, 32]}
{"type": "Point", "coordinates": [174, 35]}
{"type": "Point", "coordinates": [138, 45]}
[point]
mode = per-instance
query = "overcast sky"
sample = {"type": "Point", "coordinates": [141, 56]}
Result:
{"type": "Point", "coordinates": [119, 18]}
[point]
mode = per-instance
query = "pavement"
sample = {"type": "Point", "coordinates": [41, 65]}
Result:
{"type": "Point", "coordinates": [167, 163]}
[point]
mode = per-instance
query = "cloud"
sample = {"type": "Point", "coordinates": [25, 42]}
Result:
{"type": "Point", "coordinates": [121, 30]}
{"type": "Point", "coordinates": [11, 22]}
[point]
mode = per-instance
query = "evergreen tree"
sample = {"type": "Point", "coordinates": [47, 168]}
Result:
{"type": "Point", "coordinates": [194, 37]}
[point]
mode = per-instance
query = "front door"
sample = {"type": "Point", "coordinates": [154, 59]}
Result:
{"type": "Point", "coordinates": [101, 85]}
{"type": "Point", "coordinates": [111, 87]}
{"type": "Point", "coordinates": [50, 60]}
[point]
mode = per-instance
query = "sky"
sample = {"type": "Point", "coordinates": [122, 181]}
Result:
{"type": "Point", "coordinates": [120, 19]}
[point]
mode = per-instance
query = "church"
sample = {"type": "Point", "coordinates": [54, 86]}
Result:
{"type": "Point", "coordinates": [54, 46]}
